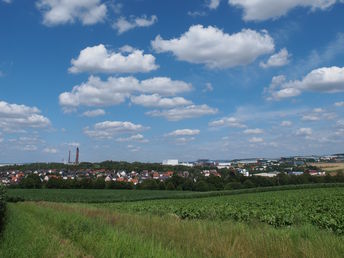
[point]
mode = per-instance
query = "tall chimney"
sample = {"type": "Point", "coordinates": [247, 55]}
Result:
{"type": "Point", "coordinates": [77, 156]}
{"type": "Point", "coordinates": [69, 157]}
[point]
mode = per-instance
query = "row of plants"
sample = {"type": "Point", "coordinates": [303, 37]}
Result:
{"type": "Point", "coordinates": [321, 207]}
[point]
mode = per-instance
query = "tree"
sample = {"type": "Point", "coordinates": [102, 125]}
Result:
{"type": "Point", "coordinates": [31, 181]}
{"type": "Point", "coordinates": [233, 186]}
{"type": "Point", "coordinates": [170, 186]}
{"type": "Point", "coordinates": [201, 186]}
{"type": "Point", "coordinates": [248, 183]}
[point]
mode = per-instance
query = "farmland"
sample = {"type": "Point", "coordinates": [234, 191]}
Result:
{"type": "Point", "coordinates": [289, 223]}
{"type": "Point", "coordinates": [330, 167]}
{"type": "Point", "coordinates": [105, 196]}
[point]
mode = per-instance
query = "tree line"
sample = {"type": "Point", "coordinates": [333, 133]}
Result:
{"type": "Point", "coordinates": [229, 181]}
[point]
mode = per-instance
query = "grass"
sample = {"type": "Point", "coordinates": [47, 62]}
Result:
{"type": "Point", "coordinates": [105, 196]}
{"type": "Point", "coordinates": [44, 229]}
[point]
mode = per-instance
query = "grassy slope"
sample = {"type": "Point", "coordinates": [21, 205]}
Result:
{"type": "Point", "coordinates": [99, 196]}
{"type": "Point", "coordinates": [75, 230]}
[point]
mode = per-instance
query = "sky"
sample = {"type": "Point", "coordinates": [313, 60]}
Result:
{"type": "Point", "coordinates": [145, 80]}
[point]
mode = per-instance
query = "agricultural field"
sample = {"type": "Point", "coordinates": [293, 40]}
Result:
{"type": "Point", "coordinates": [106, 196]}
{"type": "Point", "coordinates": [289, 223]}
{"type": "Point", "coordinates": [324, 208]}
{"type": "Point", "coordinates": [330, 167]}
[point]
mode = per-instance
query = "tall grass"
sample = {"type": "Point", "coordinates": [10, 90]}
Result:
{"type": "Point", "coordinates": [2, 205]}
{"type": "Point", "coordinates": [79, 230]}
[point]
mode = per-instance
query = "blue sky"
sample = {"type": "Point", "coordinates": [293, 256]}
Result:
{"type": "Point", "coordinates": [152, 80]}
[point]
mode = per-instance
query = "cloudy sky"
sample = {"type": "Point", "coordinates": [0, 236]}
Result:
{"type": "Point", "coordinates": [150, 80]}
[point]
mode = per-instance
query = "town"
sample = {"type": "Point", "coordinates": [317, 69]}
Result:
{"type": "Point", "coordinates": [125, 175]}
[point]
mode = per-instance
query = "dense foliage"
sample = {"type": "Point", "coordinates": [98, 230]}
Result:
{"type": "Point", "coordinates": [2, 205]}
{"type": "Point", "coordinates": [228, 181]}
{"type": "Point", "coordinates": [321, 207]}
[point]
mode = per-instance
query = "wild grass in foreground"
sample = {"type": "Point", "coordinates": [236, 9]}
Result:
{"type": "Point", "coordinates": [80, 230]}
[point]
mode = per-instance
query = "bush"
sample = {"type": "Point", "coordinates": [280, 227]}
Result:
{"type": "Point", "coordinates": [170, 186]}
{"type": "Point", "coordinates": [233, 186]}
{"type": "Point", "coordinates": [201, 186]}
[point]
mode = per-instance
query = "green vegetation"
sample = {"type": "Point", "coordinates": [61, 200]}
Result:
{"type": "Point", "coordinates": [321, 207]}
{"type": "Point", "coordinates": [80, 230]}
{"type": "Point", "coordinates": [2, 205]}
{"type": "Point", "coordinates": [104, 195]}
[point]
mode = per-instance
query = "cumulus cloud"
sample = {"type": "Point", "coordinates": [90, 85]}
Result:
{"type": "Point", "coordinates": [227, 122]}
{"type": "Point", "coordinates": [324, 80]}
{"type": "Point", "coordinates": [181, 113]}
{"type": "Point", "coordinates": [109, 129]}
{"type": "Point", "coordinates": [305, 131]}
{"type": "Point", "coordinates": [279, 59]}
{"type": "Point", "coordinates": [318, 114]}
{"type": "Point", "coordinates": [256, 140]}
{"type": "Point", "coordinates": [286, 123]}
{"type": "Point", "coordinates": [156, 100]}
{"type": "Point", "coordinates": [134, 138]}
{"type": "Point", "coordinates": [254, 131]}
{"type": "Point", "coordinates": [15, 117]}
{"type": "Point", "coordinates": [339, 104]}
{"type": "Point", "coordinates": [259, 10]}
{"type": "Point", "coordinates": [114, 91]}
{"type": "Point", "coordinates": [216, 49]}
{"type": "Point", "coordinates": [94, 113]}
{"type": "Point", "coordinates": [123, 24]}
{"type": "Point", "coordinates": [184, 132]}
{"type": "Point", "coordinates": [213, 4]}
{"type": "Point", "coordinates": [98, 59]}
{"type": "Point", "coordinates": [7, 1]}
{"type": "Point", "coordinates": [50, 150]}
{"type": "Point", "coordinates": [57, 12]}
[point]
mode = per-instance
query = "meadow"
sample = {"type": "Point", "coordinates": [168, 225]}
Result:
{"type": "Point", "coordinates": [289, 223]}
{"type": "Point", "coordinates": [330, 167]}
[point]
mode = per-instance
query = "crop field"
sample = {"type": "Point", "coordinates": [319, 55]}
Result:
{"type": "Point", "coordinates": [106, 196]}
{"type": "Point", "coordinates": [289, 223]}
{"type": "Point", "coordinates": [330, 167]}
{"type": "Point", "coordinates": [323, 208]}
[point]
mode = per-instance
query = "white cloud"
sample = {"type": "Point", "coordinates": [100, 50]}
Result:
{"type": "Point", "coordinates": [213, 4]}
{"type": "Point", "coordinates": [339, 104]}
{"type": "Point", "coordinates": [108, 129]}
{"type": "Point", "coordinates": [227, 122]}
{"type": "Point", "coordinates": [157, 101]}
{"type": "Point", "coordinates": [279, 59]}
{"type": "Point", "coordinates": [304, 132]}
{"type": "Point", "coordinates": [318, 114]}
{"type": "Point", "coordinates": [256, 140]}
{"type": "Point", "coordinates": [114, 91]}
{"type": "Point", "coordinates": [254, 131]}
{"type": "Point", "coordinates": [180, 113]}
{"type": "Point", "coordinates": [286, 123]}
{"type": "Point", "coordinates": [7, 1]}
{"type": "Point", "coordinates": [134, 138]}
{"type": "Point", "coordinates": [94, 113]}
{"type": "Point", "coordinates": [122, 24]}
{"type": "Point", "coordinates": [50, 150]}
{"type": "Point", "coordinates": [258, 10]}
{"type": "Point", "coordinates": [184, 132]}
{"type": "Point", "coordinates": [98, 59]}
{"type": "Point", "coordinates": [72, 144]}
{"type": "Point", "coordinates": [325, 80]}
{"type": "Point", "coordinates": [216, 49]}
{"type": "Point", "coordinates": [15, 117]}
{"type": "Point", "coordinates": [57, 12]}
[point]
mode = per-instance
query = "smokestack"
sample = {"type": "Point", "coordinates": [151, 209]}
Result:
{"type": "Point", "coordinates": [69, 157]}
{"type": "Point", "coordinates": [77, 156]}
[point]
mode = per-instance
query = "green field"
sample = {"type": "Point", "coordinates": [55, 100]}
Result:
{"type": "Point", "coordinates": [290, 223]}
{"type": "Point", "coordinates": [105, 196]}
